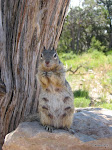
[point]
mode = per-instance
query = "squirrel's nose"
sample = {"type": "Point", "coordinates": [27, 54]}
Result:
{"type": "Point", "coordinates": [47, 62]}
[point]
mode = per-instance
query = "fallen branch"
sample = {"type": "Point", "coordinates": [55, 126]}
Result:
{"type": "Point", "coordinates": [74, 71]}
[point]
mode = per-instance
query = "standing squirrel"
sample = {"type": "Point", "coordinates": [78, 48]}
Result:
{"type": "Point", "coordinates": [56, 107]}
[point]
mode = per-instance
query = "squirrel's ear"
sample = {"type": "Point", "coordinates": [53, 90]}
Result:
{"type": "Point", "coordinates": [44, 48]}
{"type": "Point", "coordinates": [53, 49]}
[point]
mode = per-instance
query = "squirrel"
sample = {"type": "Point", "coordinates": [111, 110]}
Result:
{"type": "Point", "coordinates": [56, 107]}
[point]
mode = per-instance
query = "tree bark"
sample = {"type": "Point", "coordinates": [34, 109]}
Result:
{"type": "Point", "coordinates": [25, 28]}
{"type": "Point", "coordinates": [110, 35]}
{"type": "Point", "coordinates": [78, 39]}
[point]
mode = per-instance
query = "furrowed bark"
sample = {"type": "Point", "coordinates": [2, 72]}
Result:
{"type": "Point", "coordinates": [25, 27]}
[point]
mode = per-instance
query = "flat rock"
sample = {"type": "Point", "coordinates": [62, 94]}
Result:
{"type": "Point", "coordinates": [92, 123]}
{"type": "Point", "coordinates": [92, 131]}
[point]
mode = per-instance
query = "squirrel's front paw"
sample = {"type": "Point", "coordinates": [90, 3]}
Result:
{"type": "Point", "coordinates": [44, 74]}
{"type": "Point", "coordinates": [49, 74]}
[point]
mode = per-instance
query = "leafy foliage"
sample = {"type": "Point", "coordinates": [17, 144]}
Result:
{"type": "Point", "coordinates": [86, 28]}
{"type": "Point", "coordinates": [81, 93]}
{"type": "Point", "coordinates": [96, 45]}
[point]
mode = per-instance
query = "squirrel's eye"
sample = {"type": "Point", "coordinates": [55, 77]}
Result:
{"type": "Point", "coordinates": [41, 55]}
{"type": "Point", "coordinates": [55, 56]}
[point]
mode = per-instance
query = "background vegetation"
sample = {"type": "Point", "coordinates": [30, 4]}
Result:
{"type": "Point", "coordinates": [85, 48]}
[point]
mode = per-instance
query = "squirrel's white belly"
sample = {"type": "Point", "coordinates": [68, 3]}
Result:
{"type": "Point", "coordinates": [56, 105]}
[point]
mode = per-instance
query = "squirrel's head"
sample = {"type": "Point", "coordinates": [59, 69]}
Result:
{"type": "Point", "coordinates": [49, 58]}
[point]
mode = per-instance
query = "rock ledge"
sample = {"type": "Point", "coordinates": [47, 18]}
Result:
{"type": "Point", "coordinates": [92, 131]}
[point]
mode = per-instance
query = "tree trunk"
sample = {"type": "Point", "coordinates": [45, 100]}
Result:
{"type": "Point", "coordinates": [78, 38]}
{"type": "Point", "coordinates": [26, 26]}
{"type": "Point", "coordinates": [110, 35]}
{"type": "Point", "coordinates": [73, 38]}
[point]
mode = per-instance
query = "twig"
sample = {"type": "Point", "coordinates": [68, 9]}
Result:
{"type": "Point", "coordinates": [74, 71]}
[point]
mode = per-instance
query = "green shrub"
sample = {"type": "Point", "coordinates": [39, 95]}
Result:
{"type": "Point", "coordinates": [67, 56]}
{"type": "Point", "coordinates": [96, 54]}
{"type": "Point", "coordinates": [109, 52]}
{"type": "Point", "coordinates": [96, 45]}
{"type": "Point", "coordinates": [81, 98]}
{"type": "Point", "coordinates": [81, 93]}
